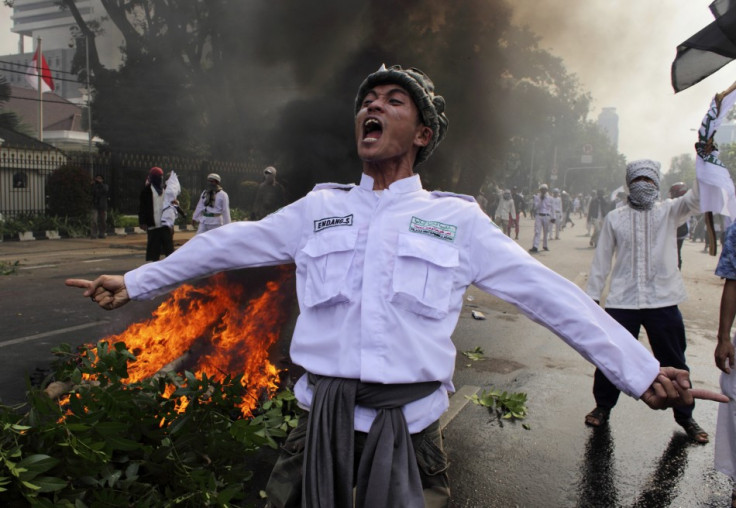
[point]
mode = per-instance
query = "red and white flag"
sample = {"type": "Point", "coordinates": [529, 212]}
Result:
{"type": "Point", "coordinates": [47, 82]}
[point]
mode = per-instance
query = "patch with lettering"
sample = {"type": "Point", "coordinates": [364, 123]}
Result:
{"type": "Point", "coordinates": [433, 228]}
{"type": "Point", "coordinates": [331, 222]}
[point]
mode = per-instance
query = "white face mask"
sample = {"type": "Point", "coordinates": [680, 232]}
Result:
{"type": "Point", "coordinates": [642, 195]}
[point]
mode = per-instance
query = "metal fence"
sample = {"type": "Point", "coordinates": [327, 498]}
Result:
{"type": "Point", "coordinates": [23, 186]}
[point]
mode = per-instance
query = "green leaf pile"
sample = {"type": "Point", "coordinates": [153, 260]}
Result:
{"type": "Point", "coordinates": [115, 444]}
{"type": "Point", "coordinates": [502, 404]}
{"type": "Point", "coordinates": [476, 354]}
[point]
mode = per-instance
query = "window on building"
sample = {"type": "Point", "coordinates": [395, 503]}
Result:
{"type": "Point", "coordinates": [20, 180]}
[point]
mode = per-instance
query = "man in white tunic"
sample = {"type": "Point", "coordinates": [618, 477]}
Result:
{"type": "Point", "coordinates": [646, 285]}
{"type": "Point", "coordinates": [213, 207]}
{"type": "Point", "coordinates": [506, 212]}
{"type": "Point", "coordinates": [381, 269]}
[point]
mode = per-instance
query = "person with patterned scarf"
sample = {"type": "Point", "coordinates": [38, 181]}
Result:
{"type": "Point", "coordinates": [213, 208]}
{"type": "Point", "coordinates": [646, 285]}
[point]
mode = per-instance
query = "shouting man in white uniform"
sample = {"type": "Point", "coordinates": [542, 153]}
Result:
{"type": "Point", "coordinates": [381, 270]}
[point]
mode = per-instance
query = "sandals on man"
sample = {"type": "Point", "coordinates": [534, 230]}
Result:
{"type": "Point", "coordinates": [598, 417]}
{"type": "Point", "coordinates": [694, 431]}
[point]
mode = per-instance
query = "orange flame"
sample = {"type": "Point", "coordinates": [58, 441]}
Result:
{"type": "Point", "coordinates": [210, 324]}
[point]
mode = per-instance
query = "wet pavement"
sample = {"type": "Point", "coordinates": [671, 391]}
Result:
{"type": "Point", "coordinates": [642, 459]}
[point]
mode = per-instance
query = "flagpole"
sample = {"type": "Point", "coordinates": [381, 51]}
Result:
{"type": "Point", "coordinates": [89, 107]}
{"type": "Point", "coordinates": [40, 90]}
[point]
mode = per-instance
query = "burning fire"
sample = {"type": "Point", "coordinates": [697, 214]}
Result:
{"type": "Point", "coordinates": [208, 330]}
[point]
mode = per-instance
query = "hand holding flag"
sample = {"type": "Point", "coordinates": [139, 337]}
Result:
{"type": "Point", "coordinates": [714, 181]}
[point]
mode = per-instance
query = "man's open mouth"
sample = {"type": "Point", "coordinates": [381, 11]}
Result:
{"type": "Point", "coordinates": [372, 130]}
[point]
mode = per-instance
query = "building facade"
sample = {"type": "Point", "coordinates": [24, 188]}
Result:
{"type": "Point", "coordinates": [57, 29]}
{"type": "Point", "coordinates": [25, 164]}
{"type": "Point", "coordinates": [608, 123]}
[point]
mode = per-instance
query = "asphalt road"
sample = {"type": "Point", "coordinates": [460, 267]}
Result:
{"type": "Point", "coordinates": [642, 459]}
{"type": "Point", "coordinates": [40, 312]}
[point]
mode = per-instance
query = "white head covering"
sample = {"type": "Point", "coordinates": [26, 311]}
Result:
{"type": "Point", "coordinates": [643, 167]}
{"type": "Point", "coordinates": [642, 195]}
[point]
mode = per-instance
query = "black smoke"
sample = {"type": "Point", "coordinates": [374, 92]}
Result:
{"type": "Point", "coordinates": [331, 48]}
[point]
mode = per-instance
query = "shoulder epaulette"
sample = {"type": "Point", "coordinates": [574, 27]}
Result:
{"type": "Point", "coordinates": [338, 186]}
{"type": "Point", "coordinates": [443, 194]}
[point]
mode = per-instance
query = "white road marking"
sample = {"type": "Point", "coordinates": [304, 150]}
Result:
{"type": "Point", "coordinates": [36, 266]}
{"type": "Point", "coordinates": [37, 336]}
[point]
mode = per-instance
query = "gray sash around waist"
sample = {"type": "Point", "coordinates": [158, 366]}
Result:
{"type": "Point", "coordinates": [388, 475]}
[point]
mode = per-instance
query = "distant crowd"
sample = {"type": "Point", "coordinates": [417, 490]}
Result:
{"type": "Point", "coordinates": [505, 206]}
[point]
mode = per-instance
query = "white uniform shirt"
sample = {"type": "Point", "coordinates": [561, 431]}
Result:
{"type": "Point", "coordinates": [645, 273]}
{"type": "Point", "coordinates": [220, 209]}
{"type": "Point", "coordinates": [380, 279]}
{"type": "Point", "coordinates": [557, 206]}
{"type": "Point", "coordinates": [543, 206]}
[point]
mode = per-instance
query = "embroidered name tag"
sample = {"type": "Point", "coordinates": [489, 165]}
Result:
{"type": "Point", "coordinates": [331, 222]}
{"type": "Point", "coordinates": [433, 228]}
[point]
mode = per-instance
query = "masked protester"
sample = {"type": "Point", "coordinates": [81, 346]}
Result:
{"type": "Point", "coordinates": [150, 209]}
{"type": "Point", "coordinates": [646, 285]}
{"type": "Point", "coordinates": [381, 270]}
{"type": "Point", "coordinates": [270, 195]}
{"type": "Point", "coordinates": [213, 207]}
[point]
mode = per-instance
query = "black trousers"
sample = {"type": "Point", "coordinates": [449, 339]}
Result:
{"type": "Point", "coordinates": [680, 241]}
{"type": "Point", "coordinates": [160, 241]}
{"type": "Point", "coordinates": [666, 332]}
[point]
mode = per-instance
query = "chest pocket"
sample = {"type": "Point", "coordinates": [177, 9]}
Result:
{"type": "Point", "coordinates": [423, 276]}
{"type": "Point", "coordinates": [328, 260]}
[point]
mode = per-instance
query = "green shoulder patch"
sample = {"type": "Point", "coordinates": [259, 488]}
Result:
{"type": "Point", "coordinates": [433, 228]}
